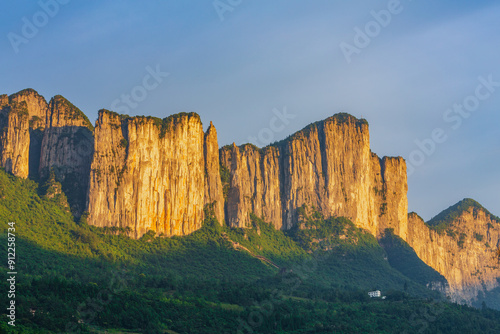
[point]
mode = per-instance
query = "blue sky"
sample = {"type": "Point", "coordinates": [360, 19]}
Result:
{"type": "Point", "coordinates": [266, 56]}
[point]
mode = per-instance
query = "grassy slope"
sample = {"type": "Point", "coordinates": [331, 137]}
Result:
{"type": "Point", "coordinates": [199, 283]}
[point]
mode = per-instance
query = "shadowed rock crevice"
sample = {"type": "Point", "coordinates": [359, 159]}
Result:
{"type": "Point", "coordinates": [68, 151]}
{"type": "Point", "coordinates": [36, 136]}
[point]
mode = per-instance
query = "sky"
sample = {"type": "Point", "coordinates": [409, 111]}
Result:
{"type": "Point", "coordinates": [425, 74]}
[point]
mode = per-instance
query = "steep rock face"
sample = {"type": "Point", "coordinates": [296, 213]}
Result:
{"type": "Point", "coordinates": [37, 107]}
{"type": "Point", "coordinates": [464, 253]}
{"type": "Point", "coordinates": [149, 174]}
{"type": "Point", "coordinates": [213, 184]}
{"type": "Point", "coordinates": [15, 139]}
{"type": "Point", "coordinates": [67, 149]}
{"type": "Point", "coordinates": [327, 167]}
{"type": "Point", "coordinates": [254, 184]}
{"type": "Point", "coordinates": [389, 205]}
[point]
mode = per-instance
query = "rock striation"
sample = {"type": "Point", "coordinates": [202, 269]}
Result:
{"type": "Point", "coordinates": [328, 167]}
{"type": "Point", "coordinates": [67, 148]}
{"type": "Point", "coordinates": [152, 174]}
{"type": "Point", "coordinates": [15, 139]}
{"type": "Point", "coordinates": [37, 108]}
{"type": "Point", "coordinates": [38, 137]}
{"type": "Point", "coordinates": [464, 250]}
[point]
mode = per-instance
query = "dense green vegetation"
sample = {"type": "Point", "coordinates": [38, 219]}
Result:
{"type": "Point", "coordinates": [352, 257]}
{"type": "Point", "coordinates": [72, 276]}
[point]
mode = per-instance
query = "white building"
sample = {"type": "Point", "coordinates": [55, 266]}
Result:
{"type": "Point", "coordinates": [374, 294]}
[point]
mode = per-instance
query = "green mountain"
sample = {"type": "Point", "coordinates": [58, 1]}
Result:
{"type": "Point", "coordinates": [444, 219]}
{"type": "Point", "coordinates": [73, 277]}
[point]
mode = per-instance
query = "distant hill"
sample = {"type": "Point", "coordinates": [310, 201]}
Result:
{"type": "Point", "coordinates": [446, 217]}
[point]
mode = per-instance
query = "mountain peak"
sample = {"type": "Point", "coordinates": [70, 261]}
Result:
{"type": "Point", "coordinates": [344, 117]}
{"type": "Point", "coordinates": [24, 92]}
{"type": "Point", "coordinates": [60, 104]}
{"type": "Point", "coordinates": [447, 216]}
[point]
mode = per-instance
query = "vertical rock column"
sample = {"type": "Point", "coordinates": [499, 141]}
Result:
{"type": "Point", "coordinates": [213, 185]}
{"type": "Point", "coordinates": [15, 139]}
{"type": "Point", "coordinates": [36, 115]}
{"type": "Point", "coordinates": [327, 167]}
{"type": "Point", "coordinates": [254, 185]}
{"type": "Point", "coordinates": [105, 201]}
{"type": "Point", "coordinates": [149, 174]}
{"type": "Point", "coordinates": [394, 205]}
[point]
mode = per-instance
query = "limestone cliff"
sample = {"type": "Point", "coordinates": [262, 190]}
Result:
{"type": "Point", "coordinates": [4, 100]}
{"type": "Point", "coordinates": [213, 184]}
{"type": "Point", "coordinates": [38, 118]}
{"type": "Point", "coordinates": [327, 166]}
{"type": "Point", "coordinates": [21, 150]}
{"type": "Point", "coordinates": [150, 174]}
{"type": "Point", "coordinates": [67, 148]}
{"type": "Point", "coordinates": [254, 184]}
{"type": "Point", "coordinates": [37, 107]}
{"type": "Point", "coordinates": [15, 139]}
{"type": "Point", "coordinates": [463, 249]}
{"type": "Point", "coordinates": [38, 137]}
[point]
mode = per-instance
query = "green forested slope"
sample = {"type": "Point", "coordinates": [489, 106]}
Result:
{"type": "Point", "coordinates": [77, 278]}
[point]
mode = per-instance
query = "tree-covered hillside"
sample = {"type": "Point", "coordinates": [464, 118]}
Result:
{"type": "Point", "coordinates": [77, 278]}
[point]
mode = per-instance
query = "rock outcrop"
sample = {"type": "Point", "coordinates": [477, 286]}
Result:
{"type": "Point", "coordinates": [67, 149]}
{"type": "Point", "coordinates": [38, 118]}
{"type": "Point", "coordinates": [38, 137]}
{"type": "Point", "coordinates": [151, 174]}
{"type": "Point", "coordinates": [15, 139]}
{"type": "Point", "coordinates": [213, 183]}
{"type": "Point", "coordinates": [328, 167]}
{"type": "Point", "coordinates": [253, 185]}
{"type": "Point", "coordinates": [464, 250]}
